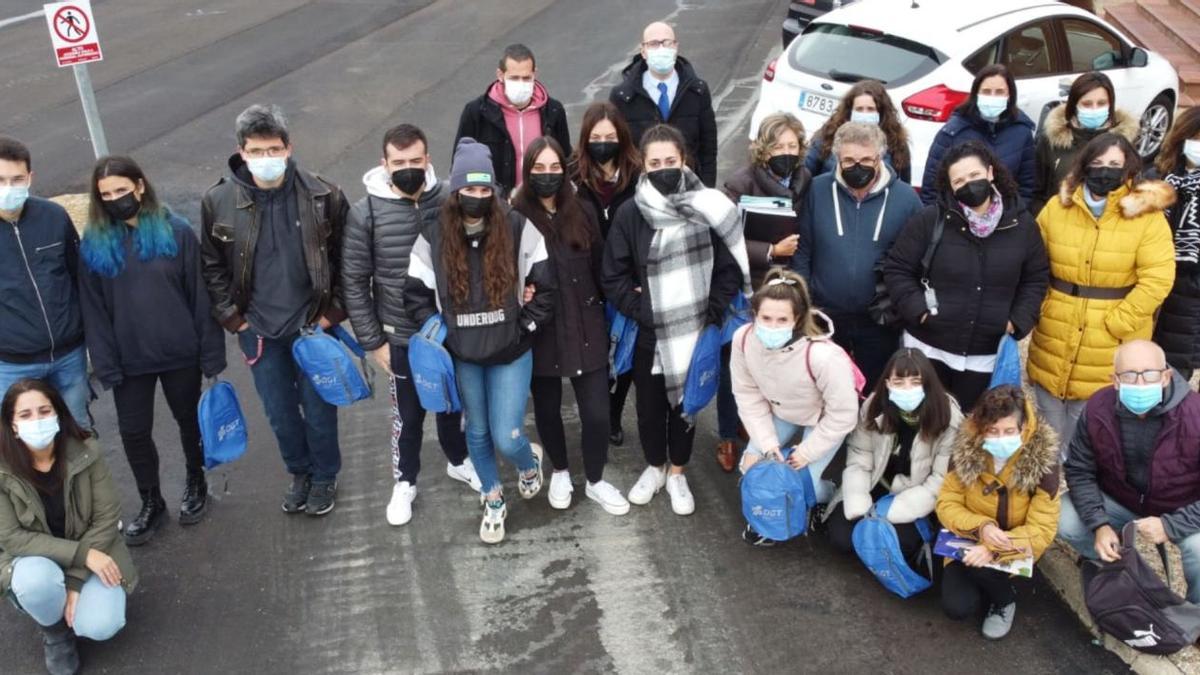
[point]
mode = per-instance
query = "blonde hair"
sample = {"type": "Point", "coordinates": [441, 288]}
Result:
{"type": "Point", "coordinates": [769, 131]}
{"type": "Point", "coordinates": [788, 286]}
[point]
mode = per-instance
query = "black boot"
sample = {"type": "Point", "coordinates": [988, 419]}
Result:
{"type": "Point", "coordinates": [59, 644]}
{"type": "Point", "coordinates": [150, 518]}
{"type": "Point", "coordinates": [195, 499]}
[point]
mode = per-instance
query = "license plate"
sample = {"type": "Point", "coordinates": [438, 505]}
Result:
{"type": "Point", "coordinates": [810, 101]}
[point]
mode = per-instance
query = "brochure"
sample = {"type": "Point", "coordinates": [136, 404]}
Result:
{"type": "Point", "coordinates": [950, 546]}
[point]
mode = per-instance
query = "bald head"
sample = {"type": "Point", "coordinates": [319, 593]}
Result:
{"type": "Point", "coordinates": [658, 31]}
{"type": "Point", "coordinates": [1139, 355]}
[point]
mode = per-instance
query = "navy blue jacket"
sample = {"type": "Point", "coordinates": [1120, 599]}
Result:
{"type": "Point", "coordinates": [1011, 140]}
{"type": "Point", "coordinates": [39, 304]}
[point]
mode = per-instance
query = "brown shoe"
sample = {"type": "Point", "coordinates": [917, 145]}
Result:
{"type": "Point", "coordinates": [726, 456]}
{"type": "Point", "coordinates": [742, 434]}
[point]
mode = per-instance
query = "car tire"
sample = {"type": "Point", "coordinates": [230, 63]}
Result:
{"type": "Point", "coordinates": [1153, 126]}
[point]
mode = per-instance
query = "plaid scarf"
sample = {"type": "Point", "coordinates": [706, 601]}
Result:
{"type": "Point", "coordinates": [679, 267]}
{"type": "Point", "coordinates": [1186, 220]}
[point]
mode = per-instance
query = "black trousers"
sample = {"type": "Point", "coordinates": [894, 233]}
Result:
{"type": "Point", "coordinates": [964, 588]}
{"type": "Point", "coordinates": [966, 386]}
{"type": "Point", "coordinates": [134, 399]}
{"type": "Point", "coordinates": [591, 398]}
{"type": "Point", "coordinates": [663, 431]}
{"type": "Point", "coordinates": [616, 401]}
{"type": "Point", "coordinates": [868, 343]}
{"type": "Point", "coordinates": [408, 424]}
{"type": "Point", "coordinates": [840, 533]}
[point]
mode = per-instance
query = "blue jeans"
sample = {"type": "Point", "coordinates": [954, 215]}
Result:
{"type": "Point", "coordinates": [39, 586]}
{"type": "Point", "coordinates": [787, 433]}
{"type": "Point", "coordinates": [67, 374]}
{"type": "Point", "coordinates": [304, 424]}
{"type": "Point", "coordinates": [1072, 530]}
{"type": "Point", "coordinates": [494, 399]}
{"type": "Point", "coordinates": [727, 413]}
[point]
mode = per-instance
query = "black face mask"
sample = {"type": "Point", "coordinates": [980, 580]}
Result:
{"type": "Point", "coordinates": [602, 151]}
{"type": "Point", "coordinates": [123, 208]}
{"type": "Point", "coordinates": [974, 193]}
{"type": "Point", "coordinates": [783, 165]}
{"type": "Point", "coordinates": [858, 176]}
{"type": "Point", "coordinates": [408, 181]}
{"type": "Point", "coordinates": [474, 207]}
{"type": "Point", "coordinates": [666, 181]}
{"type": "Point", "coordinates": [545, 184]}
{"type": "Point", "coordinates": [1102, 180]}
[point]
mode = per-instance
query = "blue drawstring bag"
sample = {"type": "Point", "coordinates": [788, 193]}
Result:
{"type": "Point", "coordinates": [776, 499]}
{"type": "Point", "coordinates": [622, 338]}
{"type": "Point", "coordinates": [328, 367]}
{"type": "Point", "coordinates": [878, 546]}
{"type": "Point", "coordinates": [432, 368]}
{"type": "Point", "coordinates": [1008, 364]}
{"type": "Point", "coordinates": [704, 373]}
{"type": "Point", "coordinates": [736, 315]}
{"type": "Point", "coordinates": [222, 425]}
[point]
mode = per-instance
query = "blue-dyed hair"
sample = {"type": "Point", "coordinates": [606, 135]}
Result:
{"type": "Point", "coordinates": [103, 245]}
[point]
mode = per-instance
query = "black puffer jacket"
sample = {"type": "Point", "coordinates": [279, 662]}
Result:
{"type": "Point", "coordinates": [981, 284]}
{"type": "Point", "coordinates": [380, 232]}
{"type": "Point", "coordinates": [1178, 327]}
{"type": "Point", "coordinates": [757, 181]}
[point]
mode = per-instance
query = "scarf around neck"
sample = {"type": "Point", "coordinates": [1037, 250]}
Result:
{"type": "Point", "coordinates": [1185, 215]}
{"type": "Point", "coordinates": [983, 225]}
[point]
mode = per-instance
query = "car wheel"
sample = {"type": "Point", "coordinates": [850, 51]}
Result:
{"type": "Point", "coordinates": [1153, 126]}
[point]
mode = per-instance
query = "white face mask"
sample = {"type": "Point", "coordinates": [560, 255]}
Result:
{"type": "Point", "coordinates": [518, 92]}
{"type": "Point", "coordinates": [661, 60]}
{"type": "Point", "coordinates": [38, 435]}
{"type": "Point", "coordinates": [1191, 150]}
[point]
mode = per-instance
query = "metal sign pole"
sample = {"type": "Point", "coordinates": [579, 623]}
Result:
{"type": "Point", "coordinates": [91, 113]}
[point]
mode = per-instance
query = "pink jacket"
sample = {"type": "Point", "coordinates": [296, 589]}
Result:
{"type": "Point", "coordinates": [769, 383]}
{"type": "Point", "coordinates": [523, 125]}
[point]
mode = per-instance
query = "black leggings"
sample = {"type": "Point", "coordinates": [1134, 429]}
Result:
{"type": "Point", "coordinates": [966, 386]}
{"type": "Point", "coordinates": [591, 398]}
{"type": "Point", "coordinates": [964, 587]}
{"type": "Point", "coordinates": [841, 530]}
{"type": "Point", "coordinates": [616, 402]}
{"type": "Point", "coordinates": [134, 399]}
{"type": "Point", "coordinates": [662, 429]}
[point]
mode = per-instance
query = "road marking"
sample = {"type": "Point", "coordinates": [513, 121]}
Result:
{"type": "Point", "coordinates": [19, 19]}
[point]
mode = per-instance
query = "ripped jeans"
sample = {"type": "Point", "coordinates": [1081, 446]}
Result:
{"type": "Point", "coordinates": [494, 399]}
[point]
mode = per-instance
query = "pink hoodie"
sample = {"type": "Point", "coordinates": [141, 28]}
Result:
{"type": "Point", "coordinates": [523, 125]}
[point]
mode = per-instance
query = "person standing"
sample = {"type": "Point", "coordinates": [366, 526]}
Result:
{"type": "Point", "coordinates": [865, 102]}
{"type": "Point", "coordinates": [272, 248]}
{"type": "Point", "coordinates": [140, 259]}
{"type": "Point", "coordinates": [662, 87]}
{"type": "Point", "coordinates": [41, 326]}
{"type": "Point", "coordinates": [513, 111]}
{"type": "Point", "coordinates": [404, 196]}
{"type": "Point", "coordinates": [1178, 328]}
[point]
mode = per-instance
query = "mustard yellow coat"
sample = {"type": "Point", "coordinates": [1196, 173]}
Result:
{"type": "Point", "coordinates": [1072, 347]}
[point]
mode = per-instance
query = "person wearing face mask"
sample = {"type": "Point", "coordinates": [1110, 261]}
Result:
{"type": "Point", "coordinates": [271, 245]}
{"type": "Point", "coordinates": [1178, 328]}
{"type": "Point", "coordinates": [1112, 263]}
{"type": "Point", "coordinates": [1133, 458]}
{"type": "Point", "coordinates": [900, 447]}
{"type": "Point", "coordinates": [486, 269]}
{"type": "Point", "coordinates": [41, 325]}
{"type": "Point", "coordinates": [987, 277]}
{"type": "Point", "coordinates": [991, 116]}
{"type": "Point", "coordinates": [139, 259]}
{"type": "Point", "coordinates": [1090, 110]}
{"type": "Point", "coordinates": [1003, 491]}
{"type": "Point", "coordinates": [404, 196]}
{"type": "Point", "coordinates": [662, 87]}
{"type": "Point", "coordinates": [794, 386]}
{"type": "Point", "coordinates": [673, 261]}
{"type": "Point", "coordinates": [513, 111]}
{"type": "Point", "coordinates": [62, 562]}
{"type": "Point", "coordinates": [865, 102]}
{"type": "Point", "coordinates": [848, 222]}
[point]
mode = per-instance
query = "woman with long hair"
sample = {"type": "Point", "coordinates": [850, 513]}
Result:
{"type": "Point", "coordinates": [61, 559]}
{"type": "Point", "coordinates": [1178, 330]}
{"type": "Point", "coordinates": [867, 102]}
{"type": "Point", "coordinates": [139, 259]}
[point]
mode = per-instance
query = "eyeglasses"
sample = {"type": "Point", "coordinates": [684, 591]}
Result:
{"type": "Point", "coordinates": [655, 44]}
{"type": "Point", "coordinates": [865, 161]}
{"type": "Point", "coordinates": [1148, 376]}
{"type": "Point", "coordinates": [273, 151]}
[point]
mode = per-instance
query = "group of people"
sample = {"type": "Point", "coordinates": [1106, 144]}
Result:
{"type": "Point", "coordinates": [1063, 237]}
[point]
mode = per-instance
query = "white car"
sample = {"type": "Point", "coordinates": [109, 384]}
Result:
{"type": "Point", "coordinates": [927, 51]}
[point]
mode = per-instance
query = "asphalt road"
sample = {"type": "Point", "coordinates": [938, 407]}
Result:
{"type": "Point", "coordinates": [251, 590]}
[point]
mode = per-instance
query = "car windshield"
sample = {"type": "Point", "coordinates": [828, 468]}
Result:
{"type": "Point", "coordinates": [852, 53]}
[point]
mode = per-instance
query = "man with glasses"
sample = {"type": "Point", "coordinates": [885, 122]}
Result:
{"type": "Point", "coordinates": [271, 245]}
{"type": "Point", "coordinates": [1135, 457]}
{"type": "Point", "coordinates": [662, 87]}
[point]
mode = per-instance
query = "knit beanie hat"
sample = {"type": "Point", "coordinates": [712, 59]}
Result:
{"type": "Point", "coordinates": [472, 165]}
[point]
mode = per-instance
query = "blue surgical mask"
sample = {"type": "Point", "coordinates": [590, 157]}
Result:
{"type": "Point", "coordinates": [1002, 447]}
{"type": "Point", "coordinates": [773, 338]}
{"type": "Point", "coordinates": [38, 434]}
{"type": "Point", "coordinates": [267, 169]}
{"type": "Point", "coordinates": [991, 107]}
{"type": "Point", "coordinates": [863, 117]}
{"type": "Point", "coordinates": [1091, 118]}
{"type": "Point", "coordinates": [1191, 150]}
{"type": "Point", "coordinates": [12, 197]}
{"type": "Point", "coordinates": [1140, 398]}
{"type": "Point", "coordinates": [907, 400]}
{"type": "Point", "coordinates": [661, 60]}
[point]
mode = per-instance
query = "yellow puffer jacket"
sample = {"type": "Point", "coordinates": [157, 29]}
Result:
{"type": "Point", "coordinates": [1071, 353]}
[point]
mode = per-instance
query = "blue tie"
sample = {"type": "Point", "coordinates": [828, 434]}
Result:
{"type": "Point", "coordinates": [664, 103]}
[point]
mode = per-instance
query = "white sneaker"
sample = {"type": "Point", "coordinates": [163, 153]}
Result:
{"type": "Point", "coordinates": [465, 473]}
{"type": "Point", "coordinates": [530, 487]}
{"type": "Point", "coordinates": [609, 497]}
{"type": "Point", "coordinates": [648, 484]}
{"type": "Point", "coordinates": [399, 510]}
{"type": "Point", "coordinates": [491, 530]}
{"type": "Point", "coordinates": [560, 489]}
{"type": "Point", "coordinates": [681, 497]}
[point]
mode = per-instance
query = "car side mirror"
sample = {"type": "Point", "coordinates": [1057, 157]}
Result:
{"type": "Point", "coordinates": [1139, 58]}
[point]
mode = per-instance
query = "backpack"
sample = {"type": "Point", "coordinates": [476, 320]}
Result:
{"type": "Point", "coordinates": [736, 315]}
{"type": "Point", "coordinates": [433, 368]}
{"type": "Point", "coordinates": [222, 425]}
{"type": "Point", "coordinates": [1129, 601]}
{"type": "Point", "coordinates": [776, 499]}
{"type": "Point", "coordinates": [622, 339]}
{"type": "Point", "coordinates": [878, 546]}
{"type": "Point", "coordinates": [329, 368]}
{"type": "Point", "coordinates": [860, 380]}
{"type": "Point", "coordinates": [704, 373]}
{"type": "Point", "coordinates": [881, 309]}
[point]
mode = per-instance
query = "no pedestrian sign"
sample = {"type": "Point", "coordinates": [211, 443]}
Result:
{"type": "Point", "coordinates": [73, 32]}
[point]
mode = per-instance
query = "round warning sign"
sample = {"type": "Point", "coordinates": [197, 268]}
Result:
{"type": "Point", "coordinates": [71, 24]}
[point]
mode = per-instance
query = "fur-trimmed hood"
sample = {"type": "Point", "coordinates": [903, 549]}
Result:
{"type": "Point", "coordinates": [1144, 197]}
{"type": "Point", "coordinates": [1037, 457]}
{"type": "Point", "coordinates": [1062, 135]}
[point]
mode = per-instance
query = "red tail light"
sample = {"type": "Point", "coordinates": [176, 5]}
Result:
{"type": "Point", "coordinates": [769, 73]}
{"type": "Point", "coordinates": [934, 104]}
